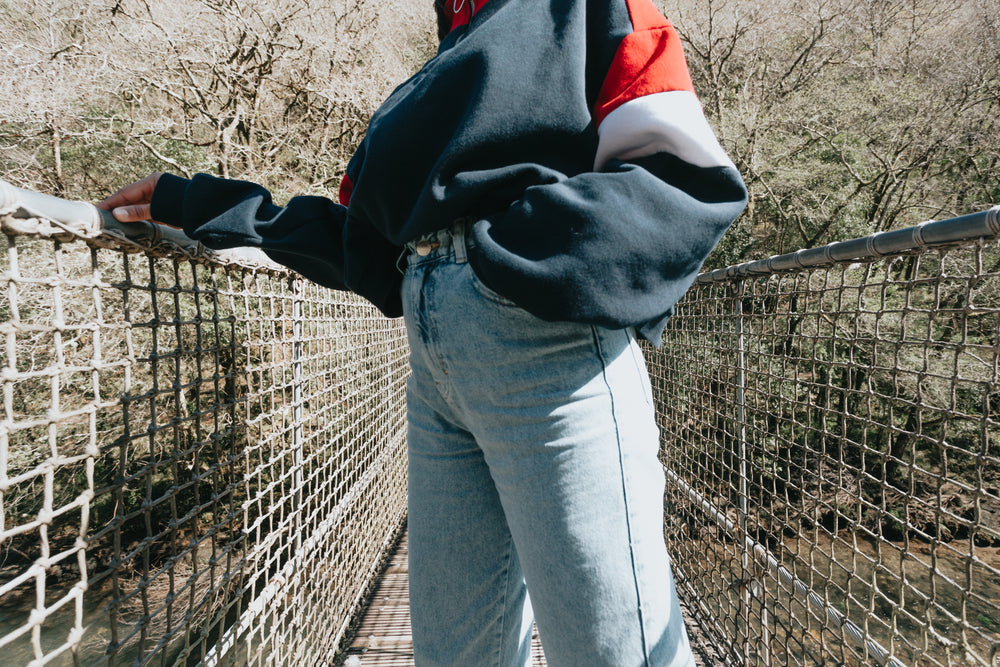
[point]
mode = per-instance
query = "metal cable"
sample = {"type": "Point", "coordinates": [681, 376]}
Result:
{"type": "Point", "coordinates": [202, 458]}
{"type": "Point", "coordinates": [830, 420]}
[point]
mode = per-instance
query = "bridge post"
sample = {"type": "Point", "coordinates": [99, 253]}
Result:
{"type": "Point", "coordinates": [745, 597]}
{"type": "Point", "coordinates": [749, 566]}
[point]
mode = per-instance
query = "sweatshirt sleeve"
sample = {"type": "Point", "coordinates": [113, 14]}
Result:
{"type": "Point", "coordinates": [618, 246]}
{"type": "Point", "coordinates": [309, 235]}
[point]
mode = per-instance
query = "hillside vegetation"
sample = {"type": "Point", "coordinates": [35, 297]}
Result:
{"type": "Point", "coordinates": [277, 91]}
{"type": "Point", "coordinates": [848, 117]}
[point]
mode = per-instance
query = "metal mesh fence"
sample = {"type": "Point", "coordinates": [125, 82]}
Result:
{"type": "Point", "coordinates": [831, 440]}
{"type": "Point", "coordinates": [202, 457]}
{"type": "Point", "coordinates": [198, 460]}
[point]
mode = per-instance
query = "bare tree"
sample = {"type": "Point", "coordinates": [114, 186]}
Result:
{"type": "Point", "coordinates": [847, 117]}
{"type": "Point", "coordinates": [277, 91]}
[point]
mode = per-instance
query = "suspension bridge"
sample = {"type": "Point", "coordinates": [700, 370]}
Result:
{"type": "Point", "coordinates": [202, 456]}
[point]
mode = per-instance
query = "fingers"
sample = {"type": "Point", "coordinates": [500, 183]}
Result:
{"type": "Point", "coordinates": [137, 213]}
{"type": "Point", "coordinates": [138, 193]}
{"type": "Point", "coordinates": [130, 194]}
{"type": "Point", "coordinates": [131, 213]}
{"type": "Point", "coordinates": [132, 203]}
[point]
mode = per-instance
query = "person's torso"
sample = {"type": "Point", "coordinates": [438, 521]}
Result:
{"type": "Point", "coordinates": [506, 104]}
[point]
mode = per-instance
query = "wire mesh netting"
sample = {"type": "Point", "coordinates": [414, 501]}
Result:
{"type": "Point", "coordinates": [197, 461]}
{"type": "Point", "coordinates": [202, 460]}
{"type": "Point", "coordinates": [831, 444]}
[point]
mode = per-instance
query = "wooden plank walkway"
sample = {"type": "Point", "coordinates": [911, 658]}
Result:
{"type": "Point", "coordinates": [384, 639]}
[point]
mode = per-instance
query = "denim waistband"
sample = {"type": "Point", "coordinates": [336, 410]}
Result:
{"type": "Point", "coordinates": [451, 242]}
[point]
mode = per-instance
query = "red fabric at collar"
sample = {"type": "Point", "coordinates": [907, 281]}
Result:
{"type": "Point", "coordinates": [464, 13]}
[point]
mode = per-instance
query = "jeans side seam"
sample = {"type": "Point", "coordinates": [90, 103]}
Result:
{"type": "Point", "coordinates": [640, 367]}
{"type": "Point", "coordinates": [625, 495]}
{"type": "Point", "coordinates": [503, 603]}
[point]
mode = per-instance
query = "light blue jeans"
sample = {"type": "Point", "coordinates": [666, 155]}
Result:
{"type": "Point", "coordinates": [532, 467]}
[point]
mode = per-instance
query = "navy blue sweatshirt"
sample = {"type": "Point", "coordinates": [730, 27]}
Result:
{"type": "Point", "coordinates": [566, 132]}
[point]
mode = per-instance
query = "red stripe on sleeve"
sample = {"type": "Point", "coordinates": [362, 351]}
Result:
{"type": "Point", "coordinates": [346, 190]}
{"type": "Point", "coordinates": [647, 62]}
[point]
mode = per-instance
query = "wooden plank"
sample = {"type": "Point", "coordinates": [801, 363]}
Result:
{"type": "Point", "coordinates": [384, 638]}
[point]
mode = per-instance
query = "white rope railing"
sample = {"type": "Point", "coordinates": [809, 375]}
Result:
{"type": "Point", "coordinates": [202, 456]}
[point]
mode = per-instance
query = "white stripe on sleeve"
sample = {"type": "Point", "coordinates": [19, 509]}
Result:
{"type": "Point", "coordinates": [671, 122]}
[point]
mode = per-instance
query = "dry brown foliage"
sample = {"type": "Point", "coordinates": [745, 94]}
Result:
{"type": "Point", "coordinates": [95, 94]}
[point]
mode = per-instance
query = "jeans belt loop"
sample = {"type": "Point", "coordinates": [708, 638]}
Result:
{"type": "Point", "coordinates": [458, 241]}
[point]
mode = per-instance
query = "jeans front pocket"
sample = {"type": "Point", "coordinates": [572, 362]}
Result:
{"type": "Point", "coordinates": [486, 292]}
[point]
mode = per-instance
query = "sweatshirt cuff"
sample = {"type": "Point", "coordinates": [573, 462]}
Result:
{"type": "Point", "coordinates": [167, 203]}
{"type": "Point", "coordinates": [652, 331]}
